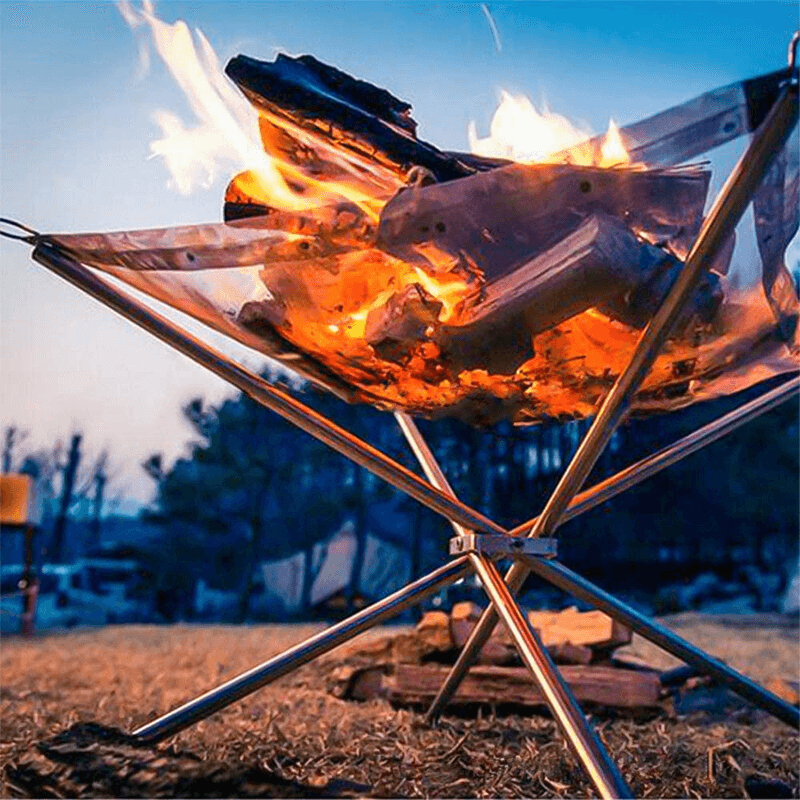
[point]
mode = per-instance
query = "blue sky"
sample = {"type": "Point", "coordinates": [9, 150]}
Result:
{"type": "Point", "coordinates": [75, 128]}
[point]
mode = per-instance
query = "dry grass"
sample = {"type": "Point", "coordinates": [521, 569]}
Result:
{"type": "Point", "coordinates": [124, 676]}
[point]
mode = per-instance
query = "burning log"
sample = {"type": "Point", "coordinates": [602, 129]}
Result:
{"type": "Point", "coordinates": [312, 234]}
{"type": "Point", "coordinates": [402, 322]}
{"type": "Point", "coordinates": [502, 218]}
{"type": "Point", "coordinates": [358, 116]}
{"type": "Point", "coordinates": [600, 264]}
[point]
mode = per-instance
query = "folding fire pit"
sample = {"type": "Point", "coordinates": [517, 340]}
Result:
{"type": "Point", "coordinates": [445, 284]}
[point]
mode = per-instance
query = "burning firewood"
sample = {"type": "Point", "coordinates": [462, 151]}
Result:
{"type": "Point", "coordinates": [444, 284]}
{"type": "Point", "coordinates": [532, 245]}
{"type": "Point", "coordinates": [502, 217]}
{"type": "Point", "coordinates": [396, 327]}
{"type": "Point", "coordinates": [600, 264]}
{"type": "Point", "coordinates": [328, 103]}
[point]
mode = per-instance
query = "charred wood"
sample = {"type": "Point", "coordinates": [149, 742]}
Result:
{"type": "Point", "coordinates": [600, 260]}
{"type": "Point", "coordinates": [600, 264]}
{"type": "Point", "coordinates": [366, 118]}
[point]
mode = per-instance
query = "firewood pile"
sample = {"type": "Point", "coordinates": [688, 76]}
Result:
{"type": "Point", "coordinates": [407, 669]}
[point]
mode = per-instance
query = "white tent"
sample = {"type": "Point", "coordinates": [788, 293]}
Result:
{"type": "Point", "coordinates": [386, 567]}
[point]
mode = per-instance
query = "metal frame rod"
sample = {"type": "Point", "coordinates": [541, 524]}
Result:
{"type": "Point", "coordinates": [651, 465]}
{"type": "Point", "coordinates": [558, 575]}
{"type": "Point", "coordinates": [582, 740]}
{"type": "Point", "coordinates": [723, 217]}
{"type": "Point", "coordinates": [427, 460]}
{"type": "Point", "coordinates": [257, 388]}
{"type": "Point", "coordinates": [626, 479]}
{"type": "Point", "coordinates": [727, 210]}
{"type": "Point", "coordinates": [260, 390]}
{"type": "Point", "coordinates": [564, 578]}
{"type": "Point", "coordinates": [248, 682]}
{"type": "Point", "coordinates": [245, 684]}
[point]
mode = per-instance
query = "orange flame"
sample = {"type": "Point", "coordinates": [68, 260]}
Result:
{"type": "Point", "coordinates": [520, 132]}
{"type": "Point", "coordinates": [229, 130]}
{"type": "Point", "coordinates": [612, 151]}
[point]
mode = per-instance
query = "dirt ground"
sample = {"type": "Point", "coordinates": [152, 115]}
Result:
{"type": "Point", "coordinates": [125, 676]}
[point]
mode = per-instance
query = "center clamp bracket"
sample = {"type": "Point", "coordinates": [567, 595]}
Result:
{"type": "Point", "coordinates": [499, 546]}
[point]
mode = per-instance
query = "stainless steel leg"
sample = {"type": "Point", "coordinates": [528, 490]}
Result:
{"type": "Point", "coordinates": [607, 489]}
{"type": "Point", "coordinates": [260, 390]}
{"type": "Point", "coordinates": [672, 454]}
{"type": "Point", "coordinates": [727, 210]}
{"type": "Point", "coordinates": [724, 215]}
{"type": "Point", "coordinates": [583, 742]}
{"type": "Point", "coordinates": [559, 575]}
{"type": "Point", "coordinates": [246, 683]}
{"type": "Point", "coordinates": [592, 756]}
{"type": "Point", "coordinates": [515, 577]}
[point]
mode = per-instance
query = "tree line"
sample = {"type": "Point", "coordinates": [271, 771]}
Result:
{"type": "Point", "coordinates": [72, 484]}
{"type": "Point", "coordinates": [253, 488]}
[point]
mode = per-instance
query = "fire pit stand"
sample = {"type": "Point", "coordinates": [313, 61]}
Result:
{"type": "Point", "coordinates": [478, 539]}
